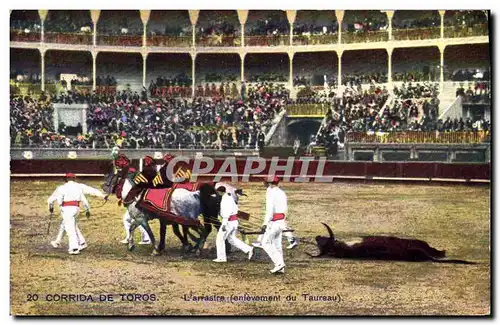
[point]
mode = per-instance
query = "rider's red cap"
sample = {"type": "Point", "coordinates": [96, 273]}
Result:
{"type": "Point", "coordinates": [274, 180]}
{"type": "Point", "coordinates": [168, 157]}
{"type": "Point", "coordinates": [70, 175]}
{"type": "Point", "coordinates": [148, 161]}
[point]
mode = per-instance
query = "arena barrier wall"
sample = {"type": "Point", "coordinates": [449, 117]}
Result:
{"type": "Point", "coordinates": [317, 170]}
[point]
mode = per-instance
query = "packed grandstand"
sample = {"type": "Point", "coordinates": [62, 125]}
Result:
{"type": "Point", "coordinates": [147, 89]}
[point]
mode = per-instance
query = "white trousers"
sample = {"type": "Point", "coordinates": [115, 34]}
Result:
{"type": "Point", "coordinates": [127, 221]}
{"type": "Point", "coordinates": [271, 241]}
{"type": "Point", "coordinates": [60, 235]}
{"type": "Point", "coordinates": [230, 235]}
{"type": "Point", "coordinates": [289, 234]}
{"type": "Point", "coordinates": [68, 224]}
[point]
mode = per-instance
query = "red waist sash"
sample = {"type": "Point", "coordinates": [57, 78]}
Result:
{"type": "Point", "coordinates": [278, 216]}
{"type": "Point", "coordinates": [71, 203]}
{"type": "Point", "coordinates": [233, 217]}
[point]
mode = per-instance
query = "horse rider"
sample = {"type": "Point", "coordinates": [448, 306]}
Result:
{"type": "Point", "coordinates": [123, 164]}
{"type": "Point", "coordinates": [274, 224]}
{"type": "Point", "coordinates": [68, 197]}
{"type": "Point", "coordinates": [229, 226]}
{"type": "Point", "coordinates": [292, 240]}
{"type": "Point", "coordinates": [127, 221]}
{"type": "Point", "coordinates": [154, 177]}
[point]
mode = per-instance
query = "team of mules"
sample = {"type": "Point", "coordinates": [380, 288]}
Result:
{"type": "Point", "coordinates": [185, 204]}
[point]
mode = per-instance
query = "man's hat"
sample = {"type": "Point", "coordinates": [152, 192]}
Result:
{"type": "Point", "coordinates": [70, 175]}
{"type": "Point", "coordinates": [275, 180]}
{"type": "Point", "coordinates": [168, 157]}
{"type": "Point", "coordinates": [121, 161]}
{"type": "Point", "coordinates": [148, 161]}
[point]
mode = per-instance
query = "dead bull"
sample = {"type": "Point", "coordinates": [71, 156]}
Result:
{"type": "Point", "coordinates": [381, 248]}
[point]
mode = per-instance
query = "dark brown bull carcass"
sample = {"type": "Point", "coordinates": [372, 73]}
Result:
{"type": "Point", "coordinates": [381, 248]}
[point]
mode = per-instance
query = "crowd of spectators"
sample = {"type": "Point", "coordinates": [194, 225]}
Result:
{"type": "Point", "coordinates": [130, 120]}
{"type": "Point", "coordinates": [179, 86]}
{"type": "Point", "coordinates": [480, 92]}
{"type": "Point", "coordinates": [420, 20]}
{"type": "Point", "coordinates": [465, 18]}
{"type": "Point", "coordinates": [471, 74]}
{"type": "Point", "coordinates": [168, 30]}
{"type": "Point", "coordinates": [417, 90]}
{"type": "Point", "coordinates": [268, 77]}
{"type": "Point", "coordinates": [412, 76]}
{"type": "Point", "coordinates": [354, 80]}
{"type": "Point", "coordinates": [25, 76]}
{"type": "Point", "coordinates": [219, 33]}
{"type": "Point", "coordinates": [64, 23]}
{"type": "Point", "coordinates": [222, 90]}
{"type": "Point", "coordinates": [275, 25]}
{"type": "Point", "coordinates": [26, 26]}
{"type": "Point", "coordinates": [365, 24]}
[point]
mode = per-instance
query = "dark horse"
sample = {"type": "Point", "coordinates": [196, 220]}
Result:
{"type": "Point", "coordinates": [381, 248]}
{"type": "Point", "coordinates": [184, 203]}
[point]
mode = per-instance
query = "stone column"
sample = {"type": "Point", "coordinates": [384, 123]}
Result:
{"type": "Point", "coordinates": [291, 15]}
{"type": "Point", "coordinates": [42, 70]}
{"type": "Point", "coordinates": [242, 58]}
{"type": "Point", "coordinates": [340, 16]}
{"type": "Point", "coordinates": [441, 13]}
{"type": "Point", "coordinates": [193, 17]}
{"type": "Point", "coordinates": [290, 80]}
{"type": "Point", "coordinates": [242, 16]}
{"type": "Point", "coordinates": [390, 14]}
{"type": "Point", "coordinates": [94, 14]}
{"type": "Point", "coordinates": [43, 16]}
{"type": "Point", "coordinates": [94, 69]}
{"type": "Point", "coordinates": [193, 73]}
{"type": "Point", "coordinates": [389, 68]}
{"type": "Point", "coordinates": [339, 75]}
{"type": "Point", "coordinates": [441, 67]}
{"type": "Point", "coordinates": [144, 61]}
{"type": "Point", "coordinates": [145, 18]}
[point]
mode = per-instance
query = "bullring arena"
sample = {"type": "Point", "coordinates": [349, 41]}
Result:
{"type": "Point", "coordinates": [394, 105]}
{"type": "Point", "coordinates": [451, 217]}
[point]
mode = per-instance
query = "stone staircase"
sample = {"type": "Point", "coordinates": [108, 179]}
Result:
{"type": "Point", "coordinates": [447, 97]}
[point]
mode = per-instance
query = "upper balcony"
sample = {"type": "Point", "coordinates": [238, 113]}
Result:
{"type": "Point", "coordinates": [416, 25]}
{"type": "Point", "coordinates": [68, 27]}
{"type": "Point", "coordinates": [267, 28]}
{"type": "Point", "coordinates": [465, 23]}
{"type": "Point", "coordinates": [169, 28]}
{"type": "Point", "coordinates": [120, 28]}
{"type": "Point", "coordinates": [314, 27]}
{"type": "Point", "coordinates": [25, 26]}
{"type": "Point", "coordinates": [218, 28]}
{"type": "Point", "coordinates": [227, 28]}
{"type": "Point", "coordinates": [362, 26]}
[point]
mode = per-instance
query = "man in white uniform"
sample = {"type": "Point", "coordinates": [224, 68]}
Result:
{"type": "Point", "coordinates": [274, 224]}
{"type": "Point", "coordinates": [127, 221]}
{"type": "Point", "coordinates": [229, 214]}
{"type": "Point", "coordinates": [292, 241]}
{"type": "Point", "coordinates": [68, 197]}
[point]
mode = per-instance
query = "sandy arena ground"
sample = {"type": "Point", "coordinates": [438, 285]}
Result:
{"type": "Point", "coordinates": [455, 218]}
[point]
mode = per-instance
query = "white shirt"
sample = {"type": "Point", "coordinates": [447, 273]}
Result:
{"type": "Point", "coordinates": [276, 202]}
{"type": "Point", "coordinates": [73, 191]}
{"type": "Point", "coordinates": [227, 208]}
